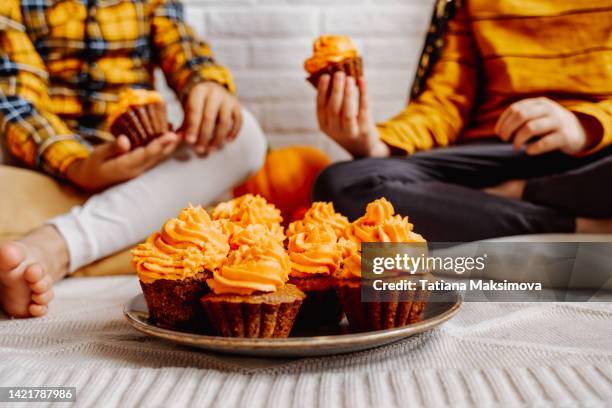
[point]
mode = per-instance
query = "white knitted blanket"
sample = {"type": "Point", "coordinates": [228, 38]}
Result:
{"type": "Point", "coordinates": [536, 354]}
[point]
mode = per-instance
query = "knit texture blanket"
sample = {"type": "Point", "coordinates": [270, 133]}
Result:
{"type": "Point", "coordinates": [490, 354]}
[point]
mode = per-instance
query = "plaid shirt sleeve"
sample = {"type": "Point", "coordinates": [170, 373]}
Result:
{"type": "Point", "coordinates": [33, 133]}
{"type": "Point", "coordinates": [185, 60]}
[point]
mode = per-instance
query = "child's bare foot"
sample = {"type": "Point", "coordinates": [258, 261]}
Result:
{"type": "Point", "coordinates": [28, 269]}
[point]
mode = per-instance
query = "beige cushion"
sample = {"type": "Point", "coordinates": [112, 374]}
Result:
{"type": "Point", "coordinates": [30, 198]}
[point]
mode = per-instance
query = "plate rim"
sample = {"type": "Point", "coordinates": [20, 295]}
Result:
{"type": "Point", "coordinates": [336, 340]}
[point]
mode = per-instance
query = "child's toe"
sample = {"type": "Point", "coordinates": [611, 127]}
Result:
{"type": "Point", "coordinates": [41, 286]}
{"type": "Point", "coordinates": [34, 273]}
{"type": "Point", "coordinates": [11, 255]}
{"type": "Point", "coordinates": [37, 310]}
{"type": "Point", "coordinates": [43, 298]}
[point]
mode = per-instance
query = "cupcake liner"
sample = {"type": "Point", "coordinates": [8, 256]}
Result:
{"type": "Point", "coordinates": [175, 304]}
{"type": "Point", "coordinates": [351, 66]}
{"type": "Point", "coordinates": [159, 118]}
{"type": "Point", "coordinates": [144, 119]}
{"type": "Point", "coordinates": [142, 123]}
{"type": "Point", "coordinates": [400, 310]}
{"type": "Point", "coordinates": [321, 308]}
{"type": "Point", "coordinates": [129, 124]}
{"type": "Point", "coordinates": [255, 316]}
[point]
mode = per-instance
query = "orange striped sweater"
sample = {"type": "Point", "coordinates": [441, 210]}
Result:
{"type": "Point", "coordinates": [499, 52]}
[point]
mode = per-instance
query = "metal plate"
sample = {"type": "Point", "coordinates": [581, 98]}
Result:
{"type": "Point", "coordinates": [441, 307]}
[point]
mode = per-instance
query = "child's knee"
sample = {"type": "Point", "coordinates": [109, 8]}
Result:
{"type": "Point", "coordinates": [251, 145]}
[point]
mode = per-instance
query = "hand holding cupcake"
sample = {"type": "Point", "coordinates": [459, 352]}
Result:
{"type": "Point", "coordinates": [331, 54]}
{"type": "Point", "coordinates": [140, 115]}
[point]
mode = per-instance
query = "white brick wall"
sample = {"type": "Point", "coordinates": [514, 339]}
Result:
{"type": "Point", "coordinates": [265, 42]}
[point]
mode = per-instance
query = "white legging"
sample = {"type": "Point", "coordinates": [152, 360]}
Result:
{"type": "Point", "coordinates": [127, 213]}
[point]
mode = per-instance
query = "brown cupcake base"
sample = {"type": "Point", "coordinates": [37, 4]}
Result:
{"type": "Point", "coordinates": [350, 66]}
{"type": "Point", "coordinates": [142, 123]}
{"type": "Point", "coordinates": [263, 315]}
{"type": "Point", "coordinates": [175, 304]}
{"type": "Point", "coordinates": [402, 309]}
{"type": "Point", "coordinates": [321, 308]}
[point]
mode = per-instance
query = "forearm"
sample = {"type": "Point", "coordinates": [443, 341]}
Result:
{"type": "Point", "coordinates": [184, 59]}
{"type": "Point", "coordinates": [39, 139]}
{"type": "Point", "coordinates": [436, 116]}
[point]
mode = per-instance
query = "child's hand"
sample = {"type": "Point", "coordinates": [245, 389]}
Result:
{"type": "Point", "coordinates": [113, 163]}
{"type": "Point", "coordinates": [557, 127]}
{"type": "Point", "coordinates": [351, 126]}
{"type": "Point", "coordinates": [212, 117]}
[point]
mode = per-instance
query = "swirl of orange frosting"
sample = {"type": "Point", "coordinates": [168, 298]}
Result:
{"type": "Point", "coordinates": [351, 267]}
{"type": "Point", "coordinates": [250, 235]}
{"type": "Point", "coordinates": [377, 211]}
{"type": "Point", "coordinates": [322, 214]}
{"type": "Point", "coordinates": [314, 251]}
{"type": "Point", "coordinates": [379, 224]}
{"type": "Point", "coordinates": [133, 97]}
{"type": "Point", "coordinates": [260, 268]}
{"type": "Point", "coordinates": [251, 209]}
{"type": "Point", "coordinates": [192, 230]}
{"type": "Point", "coordinates": [155, 260]}
{"type": "Point", "coordinates": [397, 229]}
{"type": "Point", "coordinates": [365, 228]}
{"type": "Point", "coordinates": [330, 49]}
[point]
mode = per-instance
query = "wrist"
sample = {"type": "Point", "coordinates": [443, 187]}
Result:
{"type": "Point", "coordinates": [592, 129]}
{"type": "Point", "coordinates": [74, 172]}
{"type": "Point", "coordinates": [380, 149]}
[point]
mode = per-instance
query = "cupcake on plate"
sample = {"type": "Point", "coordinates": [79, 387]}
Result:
{"type": "Point", "coordinates": [140, 115]}
{"type": "Point", "coordinates": [379, 224]}
{"type": "Point", "coordinates": [239, 213]}
{"type": "Point", "coordinates": [249, 294]}
{"type": "Point", "coordinates": [320, 213]}
{"type": "Point", "coordinates": [333, 53]}
{"type": "Point", "coordinates": [315, 256]}
{"type": "Point", "coordinates": [173, 265]}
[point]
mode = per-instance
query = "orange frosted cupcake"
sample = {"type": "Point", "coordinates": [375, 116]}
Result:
{"type": "Point", "coordinates": [320, 213]}
{"type": "Point", "coordinates": [239, 213]}
{"type": "Point", "coordinates": [379, 224]}
{"type": "Point", "coordinates": [315, 256]}
{"type": "Point", "coordinates": [140, 115]}
{"type": "Point", "coordinates": [333, 53]}
{"type": "Point", "coordinates": [173, 266]}
{"type": "Point", "coordinates": [250, 297]}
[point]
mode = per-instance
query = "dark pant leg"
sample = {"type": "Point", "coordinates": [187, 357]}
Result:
{"type": "Point", "coordinates": [438, 190]}
{"type": "Point", "coordinates": [584, 191]}
{"type": "Point", "coordinates": [441, 212]}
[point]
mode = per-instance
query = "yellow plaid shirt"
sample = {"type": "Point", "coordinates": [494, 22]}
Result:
{"type": "Point", "coordinates": [63, 63]}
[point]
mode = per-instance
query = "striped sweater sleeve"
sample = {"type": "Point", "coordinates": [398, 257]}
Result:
{"type": "Point", "coordinates": [33, 133]}
{"type": "Point", "coordinates": [184, 59]}
{"type": "Point", "coordinates": [439, 113]}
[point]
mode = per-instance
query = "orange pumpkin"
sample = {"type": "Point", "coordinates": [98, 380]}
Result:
{"type": "Point", "coordinates": [287, 177]}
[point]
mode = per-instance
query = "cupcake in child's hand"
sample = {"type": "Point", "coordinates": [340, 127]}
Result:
{"type": "Point", "coordinates": [379, 224]}
{"type": "Point", "coordinates": [173, 266]}
{"type": "Point", "coordinates": [239, 213]}
{"type": "Point", "coordinates": [333, 53]}
{"type": "Point", "coordinates": [141, 115]}
{"type": "Point", "coordinates": [250, 297]}
{"type": "Point", "coordinates": [315, 256]}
